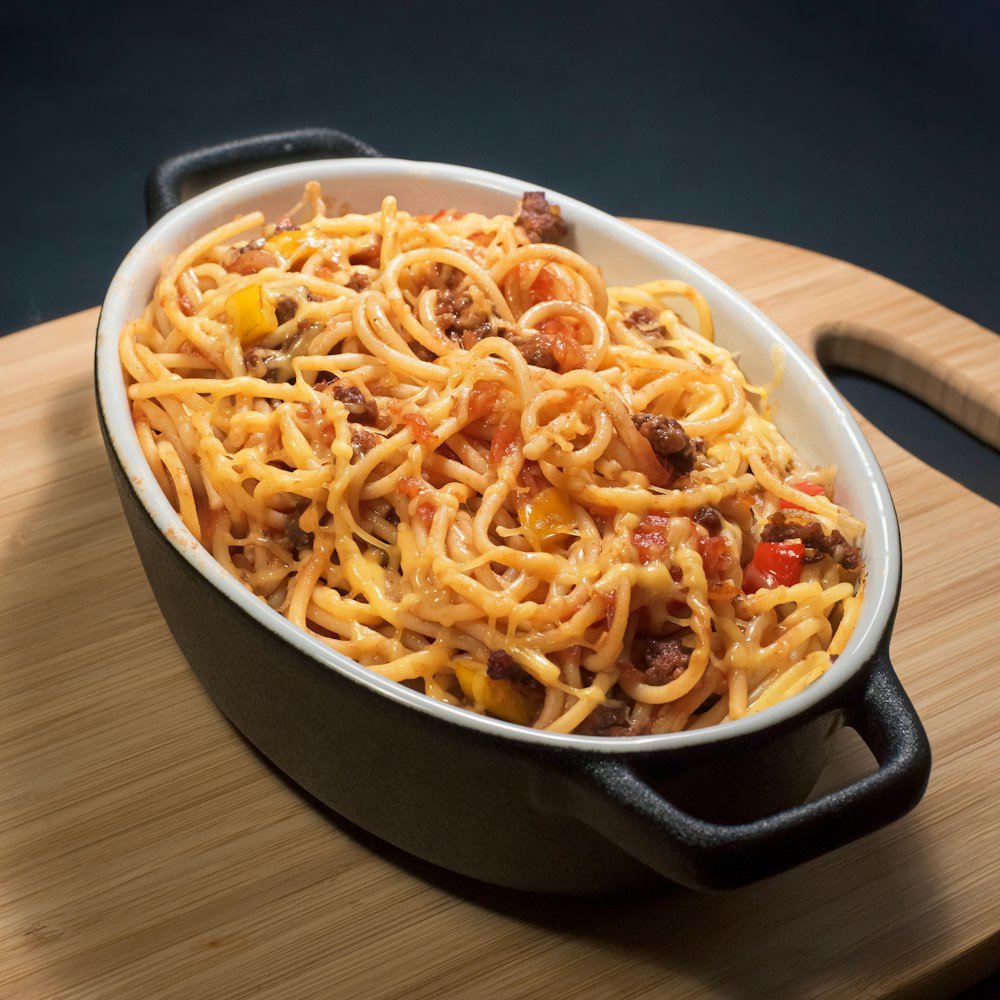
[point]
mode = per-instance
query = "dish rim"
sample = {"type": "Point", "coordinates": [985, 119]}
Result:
{"type": "Point", "coordinates": [882, 563]}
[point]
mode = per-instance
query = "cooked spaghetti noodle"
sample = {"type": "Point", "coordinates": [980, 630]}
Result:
{"type": "Point", "coordinates": [444, 447]}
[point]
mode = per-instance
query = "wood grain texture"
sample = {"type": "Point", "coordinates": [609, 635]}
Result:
{"type": "Point", "coordinates": [147, 851]}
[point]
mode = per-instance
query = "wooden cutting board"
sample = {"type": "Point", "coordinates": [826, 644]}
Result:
{"type": "Point", "coordinates": [148, 852]}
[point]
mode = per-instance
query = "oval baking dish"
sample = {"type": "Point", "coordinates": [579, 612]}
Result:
{"type": "Point", "coordinates": [709, 808]}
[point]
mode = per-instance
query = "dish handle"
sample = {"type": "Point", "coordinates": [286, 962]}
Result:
{"type": "Point", "coordinates": [179, 177]}
{"type": "Point", "coordinates": [629, 812]}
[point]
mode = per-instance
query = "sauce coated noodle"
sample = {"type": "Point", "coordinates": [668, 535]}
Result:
{"type": "Point", "coordinates": [444, 447]}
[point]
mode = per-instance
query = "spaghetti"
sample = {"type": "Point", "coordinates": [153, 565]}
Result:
{"type": "Point", "coordinates": [444, 447]}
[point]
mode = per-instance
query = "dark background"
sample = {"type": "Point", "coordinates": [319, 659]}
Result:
{"type": "Point", "coordinates": [867, 131]}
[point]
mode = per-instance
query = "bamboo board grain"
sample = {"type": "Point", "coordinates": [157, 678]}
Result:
{"type": "Point", "coordinates": [148, 852]}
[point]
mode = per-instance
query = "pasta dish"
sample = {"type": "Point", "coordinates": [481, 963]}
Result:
{"type": "Point", "coordinates": [445, 447]}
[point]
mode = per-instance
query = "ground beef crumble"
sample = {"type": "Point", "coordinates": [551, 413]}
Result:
{"type": "Point", "coordinates": [541, 222]}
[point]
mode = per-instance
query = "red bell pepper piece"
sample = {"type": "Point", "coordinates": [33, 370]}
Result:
{"type": "Point", "coordinates": [774, 564]}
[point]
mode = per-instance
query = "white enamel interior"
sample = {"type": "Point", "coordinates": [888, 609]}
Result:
{"type": "Point", "coordinates": [811, 413]}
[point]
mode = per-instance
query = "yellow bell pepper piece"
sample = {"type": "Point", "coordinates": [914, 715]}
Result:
{"type": "Point", "coordinates": [250, 314]}
{"type": "Point", "coordinates": [496, 696]}
{"type": "Point", "coordinates": [546, 517]}
{"type": "Point", "coordinates": [290, 242]}
{"type": "Point", "coordinates": [287, 243]}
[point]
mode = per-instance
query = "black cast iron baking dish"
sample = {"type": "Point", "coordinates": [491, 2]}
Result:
{"type": "Point", "coordinates": [709, 809]}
